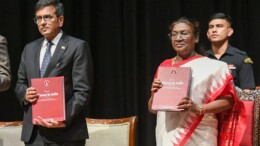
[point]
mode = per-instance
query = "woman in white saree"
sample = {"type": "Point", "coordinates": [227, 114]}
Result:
{"type": "Point", "coordinates": [212, 114]}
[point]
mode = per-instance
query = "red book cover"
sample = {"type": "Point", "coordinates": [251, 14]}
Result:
{"type": "Point", "coordinates": [51, 101]}
{"type": "Point", "coordinates": [176, 85]}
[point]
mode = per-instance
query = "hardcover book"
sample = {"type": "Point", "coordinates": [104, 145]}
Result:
{"type": "Point", "coordinates": [176, 85]}
{"type": "Point", "coordinates": [51, 101]}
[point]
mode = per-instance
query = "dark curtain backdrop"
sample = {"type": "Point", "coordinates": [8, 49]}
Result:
{"type": "Point", "coordinates": [128, 40]}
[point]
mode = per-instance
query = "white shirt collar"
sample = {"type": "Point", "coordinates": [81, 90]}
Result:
{"type": "Point", "coordinates": [54, 41]}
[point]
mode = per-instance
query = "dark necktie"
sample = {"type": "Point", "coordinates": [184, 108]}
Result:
{"type": "Point", "coordinates": [46, 58]}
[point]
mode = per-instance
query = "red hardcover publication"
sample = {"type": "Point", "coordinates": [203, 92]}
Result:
{"type": "Point", "coordinates": [51, 101]}
{"type": "Point", "coordinates": [176, 85]}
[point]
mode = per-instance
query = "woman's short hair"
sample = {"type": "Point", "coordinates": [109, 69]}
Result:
{"type": "Point", "coordinates": [192, 23]}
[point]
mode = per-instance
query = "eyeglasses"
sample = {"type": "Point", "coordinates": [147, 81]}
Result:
{"type": "Point", "coordinates": [45, 18]}
{"type": "Point", "coordinates": [182, 34]}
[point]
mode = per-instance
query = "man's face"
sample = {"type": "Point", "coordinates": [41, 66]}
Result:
{"type": "Point", "coordinates": [50, 24]}
{"type": "Point", "coordinates": [183, 39]}
{"type": "Point", "coordinates": [219, 30]}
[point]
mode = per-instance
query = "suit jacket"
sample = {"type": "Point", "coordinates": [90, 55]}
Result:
{"type": "Point", "coordinates": [5, 73]}
{"type": "Point", "coordinates": [71, 59]}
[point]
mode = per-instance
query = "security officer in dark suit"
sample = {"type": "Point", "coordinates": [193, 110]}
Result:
{"type": "Point", "coordinates": [219, 31]}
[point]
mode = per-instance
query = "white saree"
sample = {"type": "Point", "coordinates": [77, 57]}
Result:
{"type": "Point", "coordinates": [209, 80]}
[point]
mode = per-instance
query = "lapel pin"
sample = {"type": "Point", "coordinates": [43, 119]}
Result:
{"type": "Point", "coordinates": [63, 47]}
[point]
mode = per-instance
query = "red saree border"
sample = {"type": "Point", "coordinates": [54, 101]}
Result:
{"type": "Point", "coordinates": [187, 60]}
{"type": "Point", "coordinates": [213, 97]}
{"type": "Point", "coordinates": [168, 62]}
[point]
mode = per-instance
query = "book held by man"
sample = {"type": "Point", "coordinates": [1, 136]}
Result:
{"type": "Point", "coordinates": [51, 101]}
{"type": "Point", "coordinates": [176, 85]}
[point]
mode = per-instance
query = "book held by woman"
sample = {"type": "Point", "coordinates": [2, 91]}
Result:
{"type": "Point", "coordinates": [176, 82]}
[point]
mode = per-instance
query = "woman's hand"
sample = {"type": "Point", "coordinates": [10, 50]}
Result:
{"type": "Point", "coordinates": [219, 105]}
{"type": "Point", "coordinates": [187, 104]}
{"type": "Point", "coordinates": [156, 85]}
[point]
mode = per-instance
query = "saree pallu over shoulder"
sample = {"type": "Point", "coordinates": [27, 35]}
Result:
{"type": "Point", "coordinates": [232, 123]}
{"type": "Point", "coordinates": [210, 80]}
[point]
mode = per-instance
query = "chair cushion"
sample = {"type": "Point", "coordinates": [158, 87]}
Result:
{"type": "Point", "coordinates": [11, 136]}
{"type": "Point", "coordinates": [108, 134]}
{"type": "Point", "coordinates": [247, 139]}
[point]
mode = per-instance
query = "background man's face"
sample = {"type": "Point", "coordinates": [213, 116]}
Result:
{"type": "Point", "coordinates": [219, 30]}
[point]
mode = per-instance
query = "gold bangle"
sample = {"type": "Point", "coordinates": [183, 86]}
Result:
{"type": "Point", "coordinates": [201, 109]}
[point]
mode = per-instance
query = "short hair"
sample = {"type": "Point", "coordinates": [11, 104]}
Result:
{"type": "Point", "coordinates": [56, 3]}
{"type": "Point", "coordinates": [191, 22]}
{"type": "Point", "coordinates": [221, 16]}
